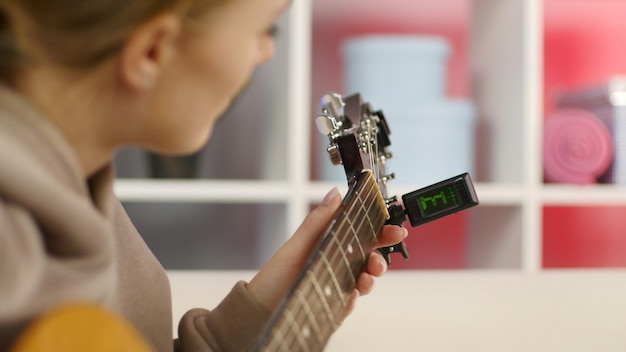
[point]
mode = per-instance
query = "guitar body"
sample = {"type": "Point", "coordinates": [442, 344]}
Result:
{"type": "Point", "coordinates": [80, 327]}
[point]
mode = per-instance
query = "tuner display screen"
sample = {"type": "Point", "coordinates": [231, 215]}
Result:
{"type": "Point", "coordinates": [440, 199]}
{"type": "Point", "coordinates": [437, 200]}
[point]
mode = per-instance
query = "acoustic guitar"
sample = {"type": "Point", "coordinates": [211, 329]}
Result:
{"type": "Point", "coordinates": [359, 140]}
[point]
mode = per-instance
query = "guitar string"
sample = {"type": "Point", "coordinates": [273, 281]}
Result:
{"type": "Point", "coordinates": [339, 255]}
{"type": "Point", "coordinates": [366, 213]}
{"type": "Point", "coordinates": [312, 319]}
{"type": "Point", "coordinates": [299, 338]}
{"type": "Point", "coordinates": [329, 270]}
{"type": "Point", "coordinates": [370, 140]}
{"type": "Point", "coordinates": [348, 271]}
{"type": "Point", "coordinates": [282, 328]}
{"type": "Point", "coordinates": [361, 205]}
{"type": "Point", "coordinates": [321, 304]}
{"type": "Point", "coordinates": [350, 274]}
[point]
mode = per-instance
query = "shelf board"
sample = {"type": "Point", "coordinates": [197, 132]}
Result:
{"type": "Point", "coordinates": [595, 195]}
{"type": "Point", "coordinates": [488, 194]}
{"type": "Point", "coordinates": [262, 191]}
{"type": "Point", "coordinates": [226, 191]}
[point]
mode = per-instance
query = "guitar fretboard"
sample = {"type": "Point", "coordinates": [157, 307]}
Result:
{"type": "Point", "coordinates": [316, 304]}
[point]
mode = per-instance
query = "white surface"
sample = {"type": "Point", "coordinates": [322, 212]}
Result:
{"type": "Point", "coordinates": [463, 311]}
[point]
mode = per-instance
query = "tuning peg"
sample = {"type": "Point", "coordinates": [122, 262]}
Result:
{"type": "Point", "coordinates": [388, 178]}
{"type": "Point", "coordinates": [334, 154]}
{"type": "Point", "coordinates": [332, 104]}
{"type": "Point", "coordinates": [391, 200]}
{"type": "Point", "coordinates": [385, 156]}
{"type": "Point", "coordinates": [327, 124]}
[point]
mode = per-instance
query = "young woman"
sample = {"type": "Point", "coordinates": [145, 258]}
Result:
{"type": "Point", "coordinates": [80, 79]}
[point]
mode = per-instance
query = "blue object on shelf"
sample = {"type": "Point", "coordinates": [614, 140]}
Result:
{"type": "Point", "coordinates": [399, 71]}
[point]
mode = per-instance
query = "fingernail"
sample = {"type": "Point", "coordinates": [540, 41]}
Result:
{"type": "Point", "coordinates": [405, 232]}
{"type": "Point", "coordinates": [382, 266]}
{"type": "Point", "coordinates": [330, 196]}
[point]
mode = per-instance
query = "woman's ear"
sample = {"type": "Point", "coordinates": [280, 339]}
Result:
{"type": "Point", "coordinates": [148, 50]}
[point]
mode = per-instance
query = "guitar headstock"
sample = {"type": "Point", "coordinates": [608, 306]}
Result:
{"type": "Point", "coordinates": [359, 139]}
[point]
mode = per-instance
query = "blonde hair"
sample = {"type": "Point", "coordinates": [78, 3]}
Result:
{"type": "Point", "coordinates": [74, 33]}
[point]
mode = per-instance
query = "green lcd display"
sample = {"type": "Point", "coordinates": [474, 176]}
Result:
{"type": "Point", "coordinates": [438, 200]}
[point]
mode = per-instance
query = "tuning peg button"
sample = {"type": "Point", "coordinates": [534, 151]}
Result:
{"type": "Point", "coordinates": [327, 124]}
{"type": "Point", "coordinates": [334, 154]}
{"type": "Point", "coordinates": [386, 156]}
{"type": "Point", "coordinates": [333, 104]}
{"type": "Point", "coordinates": [388, 178]}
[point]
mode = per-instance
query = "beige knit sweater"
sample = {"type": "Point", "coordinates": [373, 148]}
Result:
{"type": "Point", "coordinates": [65, 239]}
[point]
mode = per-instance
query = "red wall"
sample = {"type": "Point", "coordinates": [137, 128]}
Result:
{"type": "Point", "coordinates": [584, 43]}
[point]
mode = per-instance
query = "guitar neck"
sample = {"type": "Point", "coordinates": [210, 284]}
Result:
{"type": "Point", "coordinates": [316, 304]}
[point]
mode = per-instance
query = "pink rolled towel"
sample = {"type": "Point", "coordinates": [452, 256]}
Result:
{"type": "Point", "coordinates": [577, 147]}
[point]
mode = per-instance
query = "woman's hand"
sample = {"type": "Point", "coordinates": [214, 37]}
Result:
{"type": "Point", "coordinates": [271, 284]}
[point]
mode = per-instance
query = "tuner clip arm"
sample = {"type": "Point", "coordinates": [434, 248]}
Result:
{"type": "Point", "coordinates": [400, 247]}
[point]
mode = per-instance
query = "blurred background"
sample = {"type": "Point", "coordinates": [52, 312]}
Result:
{"type": "Point", "coordinates": [465, 86]}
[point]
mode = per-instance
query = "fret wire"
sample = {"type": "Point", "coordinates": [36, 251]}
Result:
{"type": "Point", "coordinates": [296, 336]}
{"type": "Point", "coordinates": [339, 268]}
{"type": "Point", "coordinates": [367, 215]}
{"type": "Point", "coordinates": [327, 276]}
{"type": "Point", "coordinates": [330, 270]}
{"type": "Point", "coordinates": [349, 272]}
{"type": "Point", "coordinates": [362, 209]}
{"type": "Point", "coordinates": [346, 222]}
{"type": "Point", "coordinates": [296, 313]}
{"type": "Point", "coordinates": [278, 340]}
{"type": "Point", "coordinates": [356, 230]}
{"type": "Point", "coordinates": [327, 322]}
{"type": "Point", "coordinates": [355, 207]}
{"type": "Point", "coordinates": [370, 198]}
{"type": "Point", "coordinates": [340, 303]}
{"type": "Point", "coordinates": [281, 325]}
{"type": "Point", "coordinates": [311, 317]}
{"type": "Point", "coordinates": [334, 258]}
{"type": "Point", "coordinates": [358, 241]}
{"type": "Point", "coordinates": [336, 306]}
{"type": "Point", "coordinates": [324, 302]}
{"type": "Point", "coordinates": [333, 254]}
{"type": "Point", "coordinates": [343, 272]}
{"type": "Point", "coordinates": [344, 257]}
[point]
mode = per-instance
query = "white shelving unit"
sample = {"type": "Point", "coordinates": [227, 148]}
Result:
{"type": "Point", "coordinates": [505, 67]}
